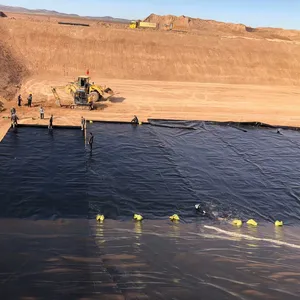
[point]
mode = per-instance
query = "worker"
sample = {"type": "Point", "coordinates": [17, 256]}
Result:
{"type": "Point", "coordinates": [205, 211]}
{"type": "Point", "coordinates": [51, 122]}
{"type": "Point", "coordinates": [12, 111]}
{"type": "Point", "coordinates": [135, 120]}
{"type": "Point", "coordinates": [42, 113]}
{"type": "Point", "coordinates": [14, 120]}
{"type": "Point", "coordinates": [29, 99]}
{"type": "Point", "coordinates": [20, 100]}
{"type": "Point", "coordinates": [82, 123]}
{"type": "Point", "coordinates": [91, 141]}
{"type": "Point", "coordinates": [91, 105]}
{"type": "Point", "coordinates": [87, 87]}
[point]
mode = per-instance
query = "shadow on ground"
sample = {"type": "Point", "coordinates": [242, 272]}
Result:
{"type": "Point", "coordinates": [117, 99]}
{"type": "Point", "coordinates": [100, 106]}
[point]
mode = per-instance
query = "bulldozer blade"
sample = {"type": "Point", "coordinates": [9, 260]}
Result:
{"type": "Point", "coordinates": [108, 91]}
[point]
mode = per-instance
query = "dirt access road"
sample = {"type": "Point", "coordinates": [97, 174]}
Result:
{"type": "Point", "coordinates": [181, 100]}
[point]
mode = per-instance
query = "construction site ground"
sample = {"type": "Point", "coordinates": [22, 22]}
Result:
{"type": "Point", "coordinates": [163, 100]}
{"type": "Point", "coordinates": [217, 71]}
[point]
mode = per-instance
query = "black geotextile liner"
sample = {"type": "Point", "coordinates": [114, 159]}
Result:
{"type": "Point", "coordinates": [234, 170]}
{"type": "Point", "coordinates": [194, 124]}
{"type": "Point", "coordinates": [78, 259]}
{"type": "Point", "coordinates": [51, 260]}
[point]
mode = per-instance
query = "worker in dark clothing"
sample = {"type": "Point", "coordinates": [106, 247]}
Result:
{"type": "Point", "coordinates": [91, 141]}
{"type": "Point", "coordinates": [87, 87]}
{"type": "Point", "coordinates": [135, 120]}
{"type": "Point", "coordinates": [51, 122]}
{"type": "Point", "coordinates": [20, 100]}
{"type": "Point", "coordinates": [29, 99]}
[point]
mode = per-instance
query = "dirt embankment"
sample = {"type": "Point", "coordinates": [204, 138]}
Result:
{"type": "Point", "coordinates": [217, 53]}
{"type": "Point", "coordinates": [12, 70]}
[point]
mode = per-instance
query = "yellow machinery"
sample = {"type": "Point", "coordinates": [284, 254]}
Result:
{"type": "Point", "coordinates": [56, 96]}
{"type": "Point", "coordinates": [133, 24]}
{"type": "Point", "coordinates": [140, 24]}
{"type": "Point", "coordinates": [85, 92]}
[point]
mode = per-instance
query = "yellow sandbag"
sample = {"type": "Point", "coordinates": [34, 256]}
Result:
{"type": "Point", "coordinates": [137, 217]}
{"type": "Point", "coordinates": [252, 222]}
{"type": "Point", "coordinates": [100, 218]}
{"type": "Point", "coordinates": [174, 218]}
{"type": "Point", "coordinates": [237, 223]}
{"type": "Point", "coordinates": [278, 223]}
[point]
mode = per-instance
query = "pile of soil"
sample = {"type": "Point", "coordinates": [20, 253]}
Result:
{"type": "Point", "coordinates": [215, 27]}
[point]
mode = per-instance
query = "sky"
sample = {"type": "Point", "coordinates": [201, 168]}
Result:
{"type": "Point", "coordinates": [255, 13]}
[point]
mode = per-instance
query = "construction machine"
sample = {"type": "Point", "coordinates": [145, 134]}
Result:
{"type": "Point", "coordinates": [134, 24]}
{"type": "Point", "coordinates": [140, 24]}
{"type": "Point", "coordinates": [85, 92]}
{"type": "Point", "coordinates": [56, 96]}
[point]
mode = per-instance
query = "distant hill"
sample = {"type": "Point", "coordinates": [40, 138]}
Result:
{"type": "Point", "coordinates": [15, 9]}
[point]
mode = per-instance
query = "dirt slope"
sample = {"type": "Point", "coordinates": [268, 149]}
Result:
{"type": "Point", "coordinates": [213, 52]}
{"type": "Point", "coordinates": [12, 70]}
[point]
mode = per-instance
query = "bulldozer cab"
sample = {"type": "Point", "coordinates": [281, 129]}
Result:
{"type": "Point", "coordinates": [83, 81]}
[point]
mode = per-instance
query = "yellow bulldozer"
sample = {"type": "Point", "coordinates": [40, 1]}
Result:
{"type": "Point", "coordinates": [84, 92]}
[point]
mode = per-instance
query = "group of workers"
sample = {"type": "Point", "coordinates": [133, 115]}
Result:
{"type": "Point", "coordinates": [29, 100]}
{"type": "Point", "coordinates": [14, 118]}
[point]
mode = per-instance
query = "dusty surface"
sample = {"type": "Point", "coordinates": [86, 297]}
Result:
{"type": "Point", "coordinates": [169, 100]}
{"type": "Point", "coordinates": [12, 68]}
{"type": "Point", "coordinates": [216, 71]}
{"type": "Point", "coordinates": [220, 54]}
